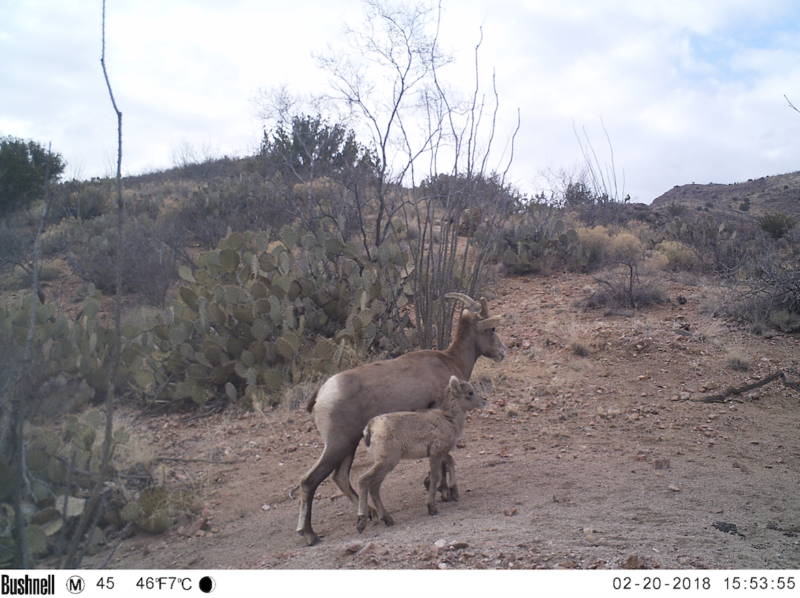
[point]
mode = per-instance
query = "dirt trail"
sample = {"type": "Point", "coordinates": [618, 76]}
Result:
{"type": "Point", "coordinates": [605, 460]}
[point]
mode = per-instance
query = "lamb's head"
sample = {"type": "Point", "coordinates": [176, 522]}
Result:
{"type": "Point", "coordinates": [476, 326]}
{"type": "Point", "coordinates": [465, 394]}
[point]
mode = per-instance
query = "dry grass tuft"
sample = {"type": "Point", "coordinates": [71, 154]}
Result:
{"type": "Point", "coordinates": [737, 360]}
{"type": "Point", "coordinates": [711, 333]}
{"type": "Point", "coordinates": [579, 349]}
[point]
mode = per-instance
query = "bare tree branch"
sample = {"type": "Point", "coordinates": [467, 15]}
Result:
{"type": "Point", "coordinates": [604, 186]}
{"type": "Point", "coordinates": [74, 554]}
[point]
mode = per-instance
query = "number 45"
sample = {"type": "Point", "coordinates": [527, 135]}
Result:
{"type": "Point", "coordinates": [106, 583]}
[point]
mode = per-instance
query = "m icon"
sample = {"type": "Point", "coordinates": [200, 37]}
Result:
{"type": "Point", "coordinates": [75, 584]}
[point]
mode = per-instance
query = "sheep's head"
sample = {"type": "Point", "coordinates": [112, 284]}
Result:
{"type": "Point", "coordinates": [475, 318]}
{"type": "Point", "coordinates": [465, 394]}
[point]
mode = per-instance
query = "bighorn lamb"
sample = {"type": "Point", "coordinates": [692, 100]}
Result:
{"type": "Point", "coordinates": [348, 400]}
{"type": "Point", "coordinates": [415, 435]}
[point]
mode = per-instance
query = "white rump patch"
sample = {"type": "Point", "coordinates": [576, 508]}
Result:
{"type": "Point", "coordinates": [327, 398]}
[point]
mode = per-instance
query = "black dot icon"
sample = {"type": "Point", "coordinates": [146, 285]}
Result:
{"type": "Point", "coordinates": [207, 585]}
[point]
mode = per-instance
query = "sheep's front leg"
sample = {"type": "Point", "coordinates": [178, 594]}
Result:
{"type": "Point", "coordinates": [436, 472]}
{"type": "Point", "coordinates": [443, 488]}
{"type": "Point", "coordinates": [450, 492]}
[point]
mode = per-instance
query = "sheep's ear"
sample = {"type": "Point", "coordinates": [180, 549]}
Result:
{"type": "Point", "coordinates": [454, 383]}
{"type": "Point", "coordinates": [492, 322]}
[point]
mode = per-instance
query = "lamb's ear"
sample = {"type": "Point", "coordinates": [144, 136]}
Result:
{"type": "Point", "coordinates": [454, 386]}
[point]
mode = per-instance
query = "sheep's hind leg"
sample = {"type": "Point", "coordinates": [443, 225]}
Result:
{"type": "Point", "coordinates": [308, 487]}
{"type": "Point", "coordinates": [342, 477]}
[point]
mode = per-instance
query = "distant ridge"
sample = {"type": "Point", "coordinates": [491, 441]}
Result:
{"type": "Point", "coordinates": [778, 193]}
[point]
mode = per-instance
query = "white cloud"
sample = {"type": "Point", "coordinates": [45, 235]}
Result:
{"type": "Point", "coordinates": [687, 90]}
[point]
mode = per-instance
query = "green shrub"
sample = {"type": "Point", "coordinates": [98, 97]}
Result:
{"type": "Point", "coordinates": [595, 242]}
{"type": "Point", "coordinates": [785, 321]}
{"type": "Point", "coordinates": [601, 245]}
{"type": "Point", "coordinates": [23, 165]}
{"type": "Point", "coordinates": [770, 293]}
{"type": "Point", "coordinates": [537, 241]}
{"type": "Point", "coordinates": [149, 264]}
{"type": "Point", "coordinates": [621, 287]}
{"type": "Point", "coordinates": [718, 246]}
{"type": "Point", "coordinates": [676, 209]}
{"type": "Point", "coordinates": [777, 224]}
{"type": "Point", "coordinates": [83, 200]}
{"type": "Point", "coordinates": [233, 204]}
{"type": "Point", "coordinates": [680, 258]}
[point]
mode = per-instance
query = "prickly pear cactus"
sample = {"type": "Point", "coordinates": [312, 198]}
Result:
{"type": "Point", "coordinates": [61, 466]}
{"type": "Point", "coordinates": [72, 351]}
{"type": "Point", "coordinates": [714, 243]}
{"type": "Point", "coordinates": [533, 244]}
{"type": "Point", "coordinates": [256, 315]}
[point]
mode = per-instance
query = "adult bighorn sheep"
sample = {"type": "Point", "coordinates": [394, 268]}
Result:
{"type": "Point", "coordinates": [348, 400]}
{"type": "Point", "coordinates": [415, 435]}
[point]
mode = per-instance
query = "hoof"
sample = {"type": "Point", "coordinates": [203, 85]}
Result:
{"type": "Point", "coordinates": [310, 537]}
{"type": "Point", "coordinates": [432, 510]}
{"type": "Point", "coordinates": [361, 523]}
{"type": "Point", "coordinates": [454, 493]}
{"type": "Point", "coordinates": [388, 521]}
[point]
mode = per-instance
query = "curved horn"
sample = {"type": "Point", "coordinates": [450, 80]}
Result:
{"type": "Point", "coordinates": [468, 301]}
{"type": "Point", "coordinates": [484, 308]}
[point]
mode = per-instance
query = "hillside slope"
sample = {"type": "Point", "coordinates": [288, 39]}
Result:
{"type": "Point", "coordinates": [779, 193]}
{"type": "Point", "coordinates": [606, 460]}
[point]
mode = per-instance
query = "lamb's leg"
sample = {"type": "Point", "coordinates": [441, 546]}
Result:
{"type": "Point", "coordinates": [363, 496]}
{"type": "Point", "coordinates": [342, 479]}
{"type": "Point", "coordinates": [436, 472]}
{"type": "Point", "coordinates": [450, 492]}
{"type": "Point", "coordinates": [370, 484]}
{"type": "Point", "coordinates": [375, 493]}
{"type": "Point", "coordinates": [443, 488]}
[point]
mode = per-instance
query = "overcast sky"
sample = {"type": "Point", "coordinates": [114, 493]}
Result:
{"type": "Point", "coordinates": [688, 91]}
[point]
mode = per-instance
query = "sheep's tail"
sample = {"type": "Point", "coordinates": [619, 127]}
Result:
{"type": "Point", "coordinates": [368, 435]}
{"type": "Point", "coordinates": [312, 401]}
